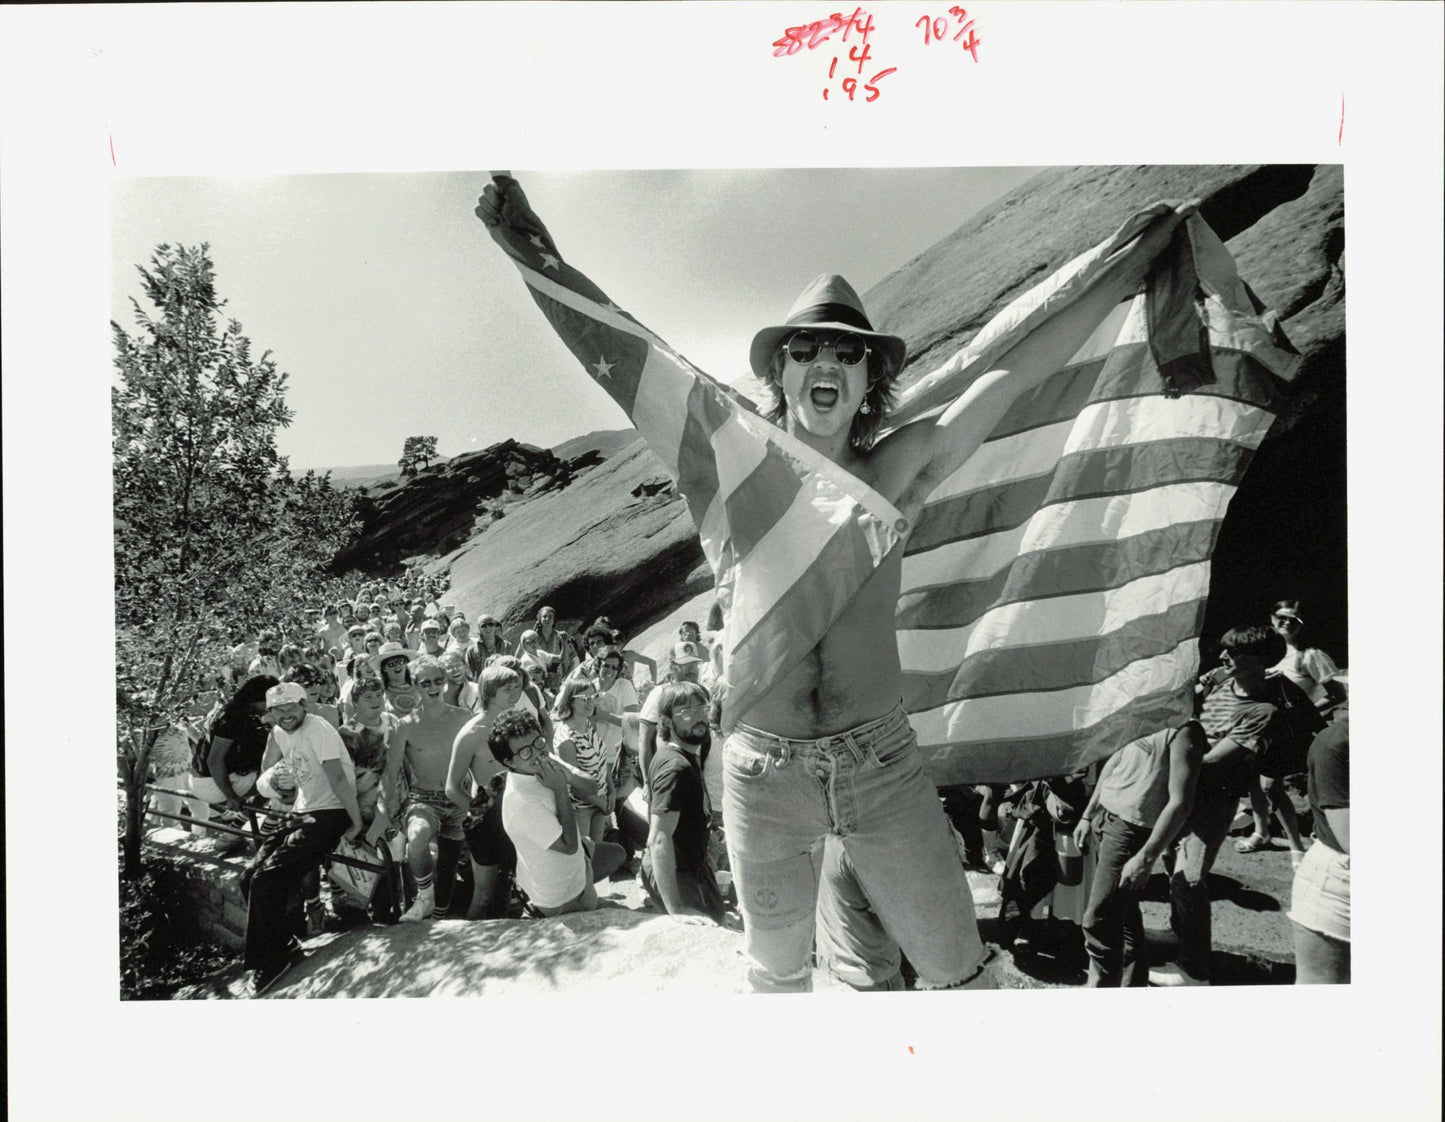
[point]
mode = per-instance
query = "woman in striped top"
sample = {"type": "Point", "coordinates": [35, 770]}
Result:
{"type": "Point", "coordinates": [574, 742]}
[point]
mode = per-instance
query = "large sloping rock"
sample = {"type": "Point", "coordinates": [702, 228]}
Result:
{"type": "Point", "coordinates": [618, 542]}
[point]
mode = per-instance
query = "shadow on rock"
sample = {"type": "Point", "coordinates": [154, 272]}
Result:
{"type": "Point", "coordinates": [610, 950]}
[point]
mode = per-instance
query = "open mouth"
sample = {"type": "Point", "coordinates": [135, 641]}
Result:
{"type": "Point", "coordinates": [823, 395]}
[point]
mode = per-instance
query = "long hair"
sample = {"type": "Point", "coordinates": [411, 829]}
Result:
{"type": "Point", "coordinates": [250, 691]}
{"type": "Point", "coordinates": [562, 707]}
{"type": "Point", "coordinates": [878, 397]}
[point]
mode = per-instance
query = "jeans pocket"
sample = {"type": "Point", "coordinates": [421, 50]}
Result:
{"type": "Point", "coordinates": [893, 748]}
{"type": "Point", "coordinates": [743, 762]}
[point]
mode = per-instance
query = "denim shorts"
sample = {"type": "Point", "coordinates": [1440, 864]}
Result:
{"type": "Point", "coordinates": [867, 788]}
{"type": "Point", "coordinates": [1320, 900]}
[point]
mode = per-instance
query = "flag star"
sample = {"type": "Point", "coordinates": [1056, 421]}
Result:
{"type": "Point", "coordinates": [551, 262]}
{"type": "Point", "coordinates": [538, 242]}
{"type": "Point", "coordinates": [603, 367]}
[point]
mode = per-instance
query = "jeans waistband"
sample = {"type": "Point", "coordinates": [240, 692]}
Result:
{"type": "Point", "coordinates": [849, 739]}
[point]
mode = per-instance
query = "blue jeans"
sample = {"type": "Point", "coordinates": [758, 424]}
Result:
{"type": "Point", "coordinates": [866, 786]}
{"type": "Point", "coordinates": [1188, 862]}
{"type": "Point", "coordinates": [1113, 925]}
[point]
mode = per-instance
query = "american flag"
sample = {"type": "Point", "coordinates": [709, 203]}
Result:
{"type": "Point", "coordinates": [1054, 586]}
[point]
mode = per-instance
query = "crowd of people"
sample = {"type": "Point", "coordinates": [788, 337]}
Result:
{"type": "Point", "coordinates": [508, 776]}
{"type": "Point", "coordinates": [505, 774]}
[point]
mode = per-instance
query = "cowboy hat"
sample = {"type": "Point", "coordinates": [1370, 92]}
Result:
{"type": "Point", "coordinates": [827, 304]}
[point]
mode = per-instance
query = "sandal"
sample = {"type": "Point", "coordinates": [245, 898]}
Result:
{"type": "Point", "coordinates": [1252, 844]}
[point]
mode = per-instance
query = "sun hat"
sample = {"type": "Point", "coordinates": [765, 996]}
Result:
{"type": "Point", "coordinates": [388, 652]}
{"type": "Point", "coordinates": [830, 304]}
{"type": "Point", "coordinates": [285, 694]}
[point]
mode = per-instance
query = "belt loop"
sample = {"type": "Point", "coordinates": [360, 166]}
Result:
{"type": "Point", "coordinates": [853, 747]}
{"type": "Point", "coordinates": [784, 752]}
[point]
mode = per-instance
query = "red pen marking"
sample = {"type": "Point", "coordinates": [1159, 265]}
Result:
{"type": "Point", "coordinates": [112, 148]}
{"type": "Point", "coordinates": [910, 1049]}
{"type": "Point", "coordinates": [1342, 120]}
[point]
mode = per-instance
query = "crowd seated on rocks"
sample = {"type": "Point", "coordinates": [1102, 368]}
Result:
{"type": "Point", "coordinates": [507, 775]}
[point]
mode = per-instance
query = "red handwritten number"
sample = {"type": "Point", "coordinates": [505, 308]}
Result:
{"type": "Point", "coordinates": [873, 95]}
{"type": "Point", "coordinates": [789, 44]}
{"type": "Point", "coordinates": [927, 25]}
{"type": "Point", "coordinates": [854, 56]}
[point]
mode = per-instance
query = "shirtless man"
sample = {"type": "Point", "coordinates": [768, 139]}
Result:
{"type": "Point", "coordinates": [829, 750]}
{"type": "Point", "coordinates": [425, 738]}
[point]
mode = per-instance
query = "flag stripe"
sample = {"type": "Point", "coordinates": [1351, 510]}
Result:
{"type": "Point", "coordinates": [813, 599]}
{"type": "Point", "coordinates": [1105, 471]}
{"type": "Point", "coordinates": [1055, 666]}
{"type": "Point", "coordinates": [1090, 567]}
{"type": "Point", "coordinates": [1007, 760]}
{"type": "Point", "coordinates": [1023, 716]}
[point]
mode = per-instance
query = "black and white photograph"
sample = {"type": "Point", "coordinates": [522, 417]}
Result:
{"type": "Point", "coordinates": [593, 583]}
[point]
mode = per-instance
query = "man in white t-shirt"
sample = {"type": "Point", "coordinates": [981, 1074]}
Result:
{"type": "Point", "coordinates": [554, 866]}
{"type": "Point", "coordinates": [307, 765]}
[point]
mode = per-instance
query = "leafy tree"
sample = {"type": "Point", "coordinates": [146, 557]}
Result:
{"type": "Point", "coordinates": [418, 450]}
{"type": "Point", "coordinates": [213, 535]}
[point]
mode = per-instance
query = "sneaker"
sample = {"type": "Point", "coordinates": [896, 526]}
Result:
{"type": "Point", "coordinates": [315, 918]}
{"type": "Point", "coordinates": [422, 907]}
{"type": "Point", "coordinates": [1172, 974]}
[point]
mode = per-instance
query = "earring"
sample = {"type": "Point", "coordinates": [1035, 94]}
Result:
{"type": "Point", "coordinates": [866, 408]}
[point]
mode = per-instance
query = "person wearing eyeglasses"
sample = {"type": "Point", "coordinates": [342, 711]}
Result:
{"type": "Point", "coordinates": [424, 737]}
{"type": "Point", "coordinates": [1247, 717]}
{"type": "Point", "coordinates": [556, 866]}
{"type": "Point", "coordinates": [827, 747]}
{"type": "Point", "coordinates": [489, 637]}
{"type": "Point", "coordinates": [676, 870]}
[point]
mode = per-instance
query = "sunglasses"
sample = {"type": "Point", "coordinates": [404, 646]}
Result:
{"type": "Point", "coordinates": [425, 682]}
{"type": "Point", "coordinates": [847, 348]}
{"type": "Point", "coordinates": [1288, 619]}
{"type": "Point", "coordinates": [538, 747]}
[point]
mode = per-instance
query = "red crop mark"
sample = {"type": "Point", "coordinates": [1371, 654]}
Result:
{"type": "Point", "coordinates": [1341, 140]}
{"type": "Point", "coordinates": [112, 148]}
{"type": "Point", "coordinates": [910, 1049]}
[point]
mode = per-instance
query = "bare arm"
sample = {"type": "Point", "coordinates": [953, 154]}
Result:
{"type": "Point", "coordinates": [1338, 819]}
{"type": "Point", "coordinates": [646, 745]}
{"type": "Point", "coordinates": [664, 864]}
{"type": "Point", "coordinates": [1223, 750]}
{"type": "Point", "coordinates": [554, 779]}
{"type": "Point", "coordinates": [346, 792]}
{"type": "Point", "coordinates": [1186, 750]}
{"type": "Point", "coordinates": [464, 747]}
{"type": "Point", "coordinates": [577, 779]}
{"type": "Point", "coordinates": [1082, 830]}
{"type": "Point", "coordinates": [216, 764]}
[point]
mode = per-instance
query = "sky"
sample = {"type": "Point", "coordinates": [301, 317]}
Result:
{"type": "Point", "coordinates": [395, 315]}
